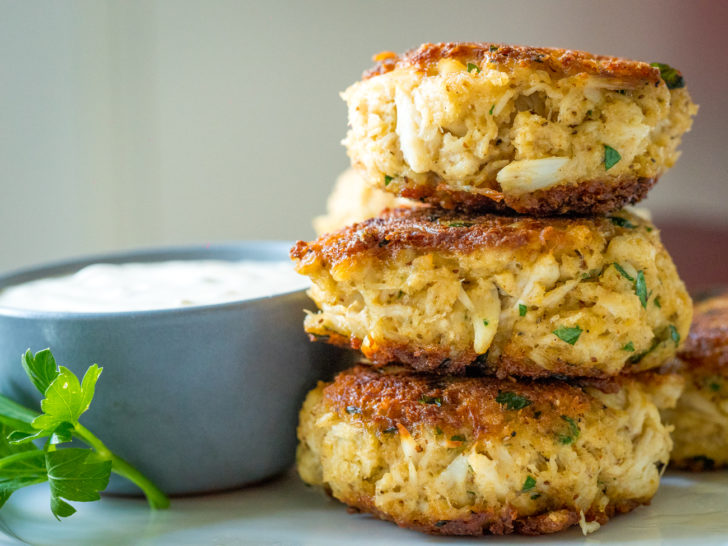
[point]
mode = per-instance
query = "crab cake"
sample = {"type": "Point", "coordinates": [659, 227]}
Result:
{"type": "Point", "coordinates": [701, 416]}
{"type": "Point", "coordinates": [483, 455]}
{"type": "Point", "coordinates": [540, 131]}
{"type": "Point", "coordinates": [353, 200]}
{"type": "Point", "coordinates": [440, 291]}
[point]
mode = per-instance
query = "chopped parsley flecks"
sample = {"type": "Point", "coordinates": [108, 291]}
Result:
{"type": "Point", "coordinates": [485, 322]}
{"type": "Point", "coordinates": [438, 431]}
{"type": "Point", "coordinates": [387, 180]}
{"type": "Point", "coordinates": [622, 222]}
{"type": "Point", "coordinates": [573, 433]}
{"type": "Point", "coordinates": [435, 400]}
{"type": "Point", "coordinates": [472, 67]}
{"type": "Point", "coordinates": [673, 78]}
{"type": "Point", "coordinates": [512, 401]}
{"type": "Point", "coordinates": [522, 309]}
{"type": "Point", "coordinates": [529, 484]}
{"type": "Point", "coordinates": [490, 112]}
{"type": "Point", "coordinates": [640, 288]}
{"type": "Point", "coordinates": [622, 272]}
{"type": "Point", "coordinates": [629, 347]}
{"type": "Point", "coordinates": [657, 302]}
{"type": "Point", "coordinates": [714, 386]}
{"type": "Point", "coordinates": [567, 334]}
{"type": "Point", "coordinates": [493, 48]}
{"type": "Point", "coordinates": [611, 157]}
{"type": "Point", "coordinates": [674, 334]}
{"type": "Point", "coordinates": [457, 438]}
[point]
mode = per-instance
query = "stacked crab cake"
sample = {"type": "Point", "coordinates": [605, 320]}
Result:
{"type": "Point", "coordinates": [509, 383]}
{"type": "Point", "coordinates": [701, 416]}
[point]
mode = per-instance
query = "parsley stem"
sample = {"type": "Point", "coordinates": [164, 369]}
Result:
{"type": "Point", "coordinates": [156, 498]}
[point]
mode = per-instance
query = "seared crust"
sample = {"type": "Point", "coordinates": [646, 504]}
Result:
{"type": "Point", "coordinates": [706, 348]}
{"type": "Point", "coordinates": [566, 62]}
{"type": "Point", "coordinates": [428, 228]}
{"type": "Point", "coordinates": [588, 197]}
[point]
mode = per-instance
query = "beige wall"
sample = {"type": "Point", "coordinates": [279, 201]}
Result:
{"type": "Point", "coordinates": [129, 123]}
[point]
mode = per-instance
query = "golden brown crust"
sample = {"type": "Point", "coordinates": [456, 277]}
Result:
{"type": "Point", "coordinates": [706, 348]}
{"type": "Point", "coordinates": [387, 398]}
{"type": "Point", "coordinates": [503, 522]}
{"type": "Point", "coordinates": [587, 197]}
{"type": "Point", "coordinates": [427, 228]}
{"type": "Point", "coordinates": [558, 61]}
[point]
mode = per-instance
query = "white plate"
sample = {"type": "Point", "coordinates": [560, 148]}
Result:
{"type": "Point", "coordinates": [689, 508]}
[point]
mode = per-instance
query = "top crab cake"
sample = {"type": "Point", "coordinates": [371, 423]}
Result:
{"type": "Point", "coordinates": [537, 130]}
{"type": "Point", "coordinates": [441, 291]}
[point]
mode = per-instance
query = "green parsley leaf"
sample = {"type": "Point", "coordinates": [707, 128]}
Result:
{"type": "Point", "coordinates": [473, 68]}
{"type": "Point", "coordinates": [512, 401]}
{"type": "Point", "coordinates": [522, 309]}
{"type": "Point", "coordinates": [573, 433]}
{"type": "Point", "coordinates": [657, 302]}
{"type": "Point", "coordinates": [622, 272]}
{"type": "Point", "coordinates": [529, 484]}
{"type": "Point", "coordinates": [66, 399]}
{"type": "Point", "coordinates": [457, 438]}
{"type": "Point", "coordinates": [629, 347]}
{"type": "Point", "coordinates": [436, 400]}
{"type": "Point", "coordinates": [490, 112]}
{"type": "Point", "coordinates": [611, 157]}
{"type": "Point", "coordinates": [387, 180]}
{"type": "Point", "coordinates": [535, 496]}
{"type": "Point", "coordinates": [640, 288]}
{"type": "Point", "coordinates": [485, 322]}
{"type": "Point", "coordinates": [673, 78]}
{"type": "Point", "coordinates": [41, 368]}
{"type": "Point", "coordinates": [75, 474]}
{"type": "Point", "coordinates": [622, 222]}
{"type": "Point", "coordinates": [674, 334]}
{"type": "Point", "coordinates": [568, 335]}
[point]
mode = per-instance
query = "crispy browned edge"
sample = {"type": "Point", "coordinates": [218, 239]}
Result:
{"type": "Point", "coordinates": [431, 228]}
{"type": "Point", "coordinates": [706, 349]}
{"type": "Point", "coordinates": [560, 61]}
{"type": "Point", "coordinates": [385, 400]}
{"type": "Point", "coordinates": [587, 197]}
{"type": "Point", "coordinates": [492, 522]}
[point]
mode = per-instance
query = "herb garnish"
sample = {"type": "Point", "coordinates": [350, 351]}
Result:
{"type": "Point", "coordinates": [493, 48]}
{"type": "Point", "coordinates": [473, 68]}
{"type": "Point", "coordinates": [640, 288]}
{"type": "Point", "coordinates": [457, 438]}
{"type": "Point", "coordinates": [657, 302]}
{"type": "Point", "coordinates": [673, 78]}
{"type": "Point", "coordinates": [512, 401]}
{"type": "Point", "coordinates": [622, 272]}
{"type": "Point", "coordinates": [387, 180]}
{"type": "Point", "coordinates": [674, 334]}
{"type": "Point", "coordinates": [629, 347]}
{"type": "Point", "coordinates": [73, 473]}
{"type": "Point", "coordinates": [568, 335]}
{"type": "Point", "coordinates": [522, 309]}
{"type": "Point", "coordinates": [715, 387]}
{"type": "Point", "coordinates": [611, 157]}
{"type": "Point", "coordinates": [490, 112]}
{"type": "Point", "coordinates": [529, 484]}
{"type": "Point", "coordinates": [622, 222]}
{"type": "Point", "coordinates": [485, 322]}
{"type": "Point", "coordinates": [573, 434]}
{"type": "Point", "coordinates": [436, 400]}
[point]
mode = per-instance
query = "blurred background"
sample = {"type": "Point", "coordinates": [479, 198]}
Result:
{"type": "Point", "coordinates": [139, 123]}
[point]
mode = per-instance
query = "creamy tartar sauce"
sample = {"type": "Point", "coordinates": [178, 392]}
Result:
{"type": "Point", "coordinates": [102, 288]}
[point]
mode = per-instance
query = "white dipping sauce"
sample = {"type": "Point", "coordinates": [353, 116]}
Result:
{"type": "Point", "coordinates": [107, 288]}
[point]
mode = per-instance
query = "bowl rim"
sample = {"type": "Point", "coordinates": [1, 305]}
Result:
{"type": "Point", "coordinates": [273, 250]}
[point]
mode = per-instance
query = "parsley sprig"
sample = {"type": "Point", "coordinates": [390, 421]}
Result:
{"type": "Point", "coordinates": [73, 473]}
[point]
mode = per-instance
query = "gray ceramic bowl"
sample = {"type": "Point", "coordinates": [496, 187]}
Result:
{"type": "Point", "coordinates": [200, 398]}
